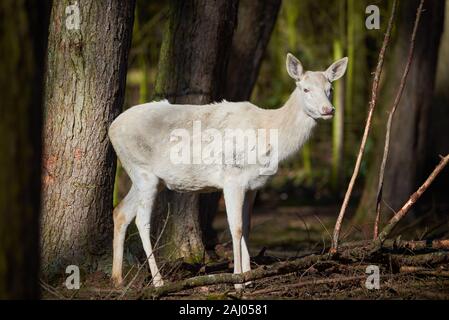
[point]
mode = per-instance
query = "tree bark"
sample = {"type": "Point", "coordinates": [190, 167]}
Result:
{"type": "Point", "coordinates": [227, 68]}
{"type": "Point", "coordinates": [23, 38]}
{"type": "Point", "coordinates": [409, 140]}
{"type": "Point", "coordinates": [437, 131]}
{"type": "Point", "coordinates": [339, 100]}
{"type": "Point", "coordinates": [255, 23]}
{"type": "Point", "coordinates": [256, 20]}
{"type": "Point", "coordinates": [84, 92]}
{"type": "Point", "coordinates": [192, 69]}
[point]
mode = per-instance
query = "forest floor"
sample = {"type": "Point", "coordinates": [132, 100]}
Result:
{"type": "Point", "coordinates": [282, 234]}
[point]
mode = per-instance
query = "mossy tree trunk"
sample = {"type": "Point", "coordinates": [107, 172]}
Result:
{"type": "Point", "coordinates": [23, 38]}
{"type": "Point", "coordinates": [409, 140]}
{"type": "Point", "coordinates": [208, 58]}
{"type": "Point", "coordinates": [84, 92]}
{"type": "Point", "coordinates": [292, 14]}
{"type": "Point", "coordinates": [351, 33]}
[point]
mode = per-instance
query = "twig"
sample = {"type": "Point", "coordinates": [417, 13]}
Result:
{"type": "Point", "coordinates": [52, 290]}
{"type": "Point", "coordinates": [411, 201]}
{"type": "Point", "coordinates": [372, 106]}
{"type": "Point", "coordinates": [390, 119]}
{"type": "Point", "coordinates": [324, 227]}
{"type": "Point", "coordinates": [305, 225]}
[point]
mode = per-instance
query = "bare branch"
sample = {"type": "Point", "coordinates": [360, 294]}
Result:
{"type": "Point", "coordinates": [278, 268]}
{"type": "Point", "coordinates": [411, 201]}
{"type": "Point", "coordinates": [390, 119]}
{"type": "Point", "coordinates": [372, 105]}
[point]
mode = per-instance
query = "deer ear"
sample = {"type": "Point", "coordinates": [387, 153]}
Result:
{"type": "Point", "coordinates": [294, 67]}
{"type": "Point", "coordinates": [337, 69]}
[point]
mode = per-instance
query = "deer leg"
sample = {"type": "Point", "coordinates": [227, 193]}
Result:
{"type": "Point", "coordinates": [123, 215]}
{"type": "Point", "coordinates": [234, 198]}
{"type": "Point", "coordinates": [146, 197]}
{"type": "Point", "coordinates": [247, 210]}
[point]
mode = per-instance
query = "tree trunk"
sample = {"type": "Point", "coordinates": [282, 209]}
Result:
{"type": "Point", "coordinates": [192, 69]}
{"type": "Point", "coordinates": [292, 13]}
{"type": "Point", "coordinates": [255, 23]}
{"type": "Point", "coordinates": [84, 92]}
{"type": "Point", "coordinates": [409, 140]}
{"type": "Point", "coordinates": [439, 120]}
{"type": "Point", "coordinates": [256, 20]}
{"type": "Point", "coordinates": [340, 104]}
{"type": "Point", "coordinates": [192, 72]}
{"type": "Point", "coordinates": [23, 38]}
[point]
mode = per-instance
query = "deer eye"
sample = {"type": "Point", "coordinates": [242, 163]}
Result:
{"type": "Point", "coordinates": [306, 90]}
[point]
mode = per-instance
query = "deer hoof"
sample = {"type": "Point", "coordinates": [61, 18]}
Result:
{"type": "Point", "coordinates": [117, 281]}
{"type": "Point", "coordinates": [158, 282]}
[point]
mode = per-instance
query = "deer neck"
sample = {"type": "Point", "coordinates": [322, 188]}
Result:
{"type": "Point", "coordinates": [295, 126]}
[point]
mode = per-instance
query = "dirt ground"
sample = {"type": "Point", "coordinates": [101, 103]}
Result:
{"type": "Point", "coordinates": [277, 235]}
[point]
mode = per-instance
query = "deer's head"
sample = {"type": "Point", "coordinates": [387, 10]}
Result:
{"type": "Point", "coordinates": [314, 87]}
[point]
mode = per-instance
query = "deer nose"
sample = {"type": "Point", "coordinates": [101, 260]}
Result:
{"type": "Point", "coordinates": [328, 110]}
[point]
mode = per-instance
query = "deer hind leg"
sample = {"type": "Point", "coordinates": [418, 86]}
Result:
{"type": "Point", "coordinates": [247, 210]}
{"type": "Point", "coordinates": [234, 197]}
{"type": "Point", "coordinates": [123, 215]}
{"type": "Point", "coordinates": [146, 195]}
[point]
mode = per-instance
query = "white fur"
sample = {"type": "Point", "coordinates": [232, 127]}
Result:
{"type": "Point", "coordinates": [141, 139]}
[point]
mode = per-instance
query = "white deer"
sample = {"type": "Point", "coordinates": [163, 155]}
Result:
{"type": "Point", "coordinates": [142, 139]}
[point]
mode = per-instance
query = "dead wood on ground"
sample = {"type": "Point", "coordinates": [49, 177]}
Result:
{"type": "Point", "coordinates": [391, 255]}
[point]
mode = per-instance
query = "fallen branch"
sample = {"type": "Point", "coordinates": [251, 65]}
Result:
{"type": "Point", "coordinates": [411, 201]}
{"type": "Point", "coordinates": [428, 259]}
{"type": "Point", "coordinates": [417, 245]}
{"type": "Point", "coordinates": [372, 105]}
{"type": "Point", "coordinates": [424, 271]}
{"type": "Point", "coordinates": [355, 252]}
{"type": "Point", "coordinates": [413, 245]}
{"type": "Point", "coordinates": [390, 120]}
{"type": "Point", "coordinates": [275, 269]}
{"type": "Point", "coordinates": [308, 283]}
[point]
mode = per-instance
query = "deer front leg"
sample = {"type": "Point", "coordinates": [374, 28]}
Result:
{"type": "Point", "coordinates": [146, 197]}
{"type": "Point", "coordinates": [247, 210]}
{"type": "Point", "coordinates": [234, 198]}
